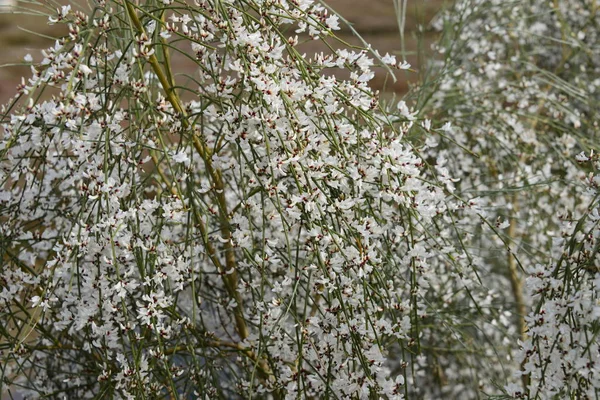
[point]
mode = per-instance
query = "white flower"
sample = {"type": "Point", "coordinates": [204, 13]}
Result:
{"type": "Point", "coordinates": [85, 69]}
{"type": "Point", "coordinates": [426, 124]}
{"type": "Point", "coordinates": [181, 158]}
{"type": "Point", "coordinates": [389, 59]}
{"type": "Point", "coordinates": [581, 157]}
{"type": "Point", "coordinates": [332, 22]}
{"type": "Point", "coordinates": [404, 65]}
{"type": "Point", "coordinates": [35, 301]}
{"type": "Point", "coordinates": [405, 112]}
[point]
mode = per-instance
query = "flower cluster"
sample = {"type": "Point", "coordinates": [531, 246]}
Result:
{"type": "Point", "coordinates": [561, 353]}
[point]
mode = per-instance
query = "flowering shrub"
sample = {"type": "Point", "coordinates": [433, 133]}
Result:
{"type": "Point", "coordinates": [258, 228]}
{"type": "Point", "coordinates": [518, 81]}
{"type": "Point", "coordinates": [262, 230]}
{"type": "Point", "coordinates": [561, 351]}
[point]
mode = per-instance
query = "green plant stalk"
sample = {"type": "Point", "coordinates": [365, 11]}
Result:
{"type": "Point", "coordinates": [229, 272]}
{"type": "Point", "coordinates": [516, 282]}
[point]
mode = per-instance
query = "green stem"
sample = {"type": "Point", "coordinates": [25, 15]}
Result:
{"type": "Point", "coordinates": [229, 271]}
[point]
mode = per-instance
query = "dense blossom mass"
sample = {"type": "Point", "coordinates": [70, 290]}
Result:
{"type": "Point", "coordinates": [262, 228]}
{"type": "Point", "coordinates": [268, 236]}
{"type": "Point", "coordinates": [519, 83]}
